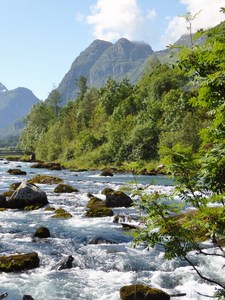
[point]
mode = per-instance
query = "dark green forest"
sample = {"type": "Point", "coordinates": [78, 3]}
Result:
{"type": "Point", "coordinates": [174, 105]}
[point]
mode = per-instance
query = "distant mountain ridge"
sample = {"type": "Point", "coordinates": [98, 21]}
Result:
{"type": "Point", "coordinates": [14, 106]}
{"type": "Point", "coordinates": [101, 60]}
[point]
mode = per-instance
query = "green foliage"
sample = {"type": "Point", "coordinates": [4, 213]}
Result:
{"type": "Point", "coordinates": [200, 176]}
{"type": "Point", "coordinates": [37, 123]}
{"type": "Point", "coordinates": [53, 100]}
{"type": "Point", "coordinates": [82, 85]}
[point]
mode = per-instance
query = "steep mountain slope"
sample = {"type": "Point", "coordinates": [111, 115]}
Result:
{"type": "Point", "coordinates": [123, 59]}
{"type": "Point", "coordinates": [81, 66]}
{"type": "Point", "coordinates": [102, 60]}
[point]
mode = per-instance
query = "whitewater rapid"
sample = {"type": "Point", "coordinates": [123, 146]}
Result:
{"type": "Point", "coordinates": [99, 271]}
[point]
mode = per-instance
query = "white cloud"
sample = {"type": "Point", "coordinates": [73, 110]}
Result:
{"type": "Point", "coordinates": [151, 15]}
{"type": "Point", "coordinates": [80, 17]}
{"type": "Point", "coordinates": [209, 16]}
{"type": "Point", "coordinates": [115, 19]}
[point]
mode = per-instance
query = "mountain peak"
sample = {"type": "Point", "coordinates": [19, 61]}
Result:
{"type": "Point", "coordinates": [99, 42]}
{"type": "Point", "coordinates": [101, 60]}
{"type": "Point", "coordinates": [2, 88]}
{"type": "Point", "coordinates": [133, 50]}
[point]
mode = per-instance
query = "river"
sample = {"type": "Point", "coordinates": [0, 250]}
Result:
{"type": "Point", "coordinates": [99, 271]}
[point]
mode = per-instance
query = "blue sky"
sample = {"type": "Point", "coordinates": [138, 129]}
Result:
{"type": "Point", "coordinates": [41, 38]}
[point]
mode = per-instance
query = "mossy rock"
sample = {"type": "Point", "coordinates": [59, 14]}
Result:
{"type": "Point", "coordinates": [45, 179]}
{"type": "Point", "coordinates": [142, 292]}
{"type": "Point", "coordinates": [31, 207]}
{"type": "Point", "coordinates": [106, 191]}
{"type": "Point", "coordinates": [117, 199]}
{"type": "Point", "coordinates": [42, 232]}
{"type": "Point", "coordinates": [12, 189]}
{"type": "Point", "coordinates": [62, 214]}
{"type": "Point", "coordinates": [65, 188]}
{"type": "Point", "coordinates": [49, 208]}
{"type": "Point", "coordinates": [99, 212]}
{"type": "Point", "coordinates": [94, 202]}
{"type": "Point", "coordinates": [8, 193]}
{"type": "Point", "coordinates": [2, 209]}
{"type": "Point", "coordinates": [106, 172]}
{"type": "Point", "coordinates": [47, 165]}
{"type": "Point", "coordinates": [16, 172]}
{"type": "Point", "coordinates": [97, 208]}
{"type": "Point", "coordinates": [19, 262]}
{"type": "Point", "coordinates": [14, 185]}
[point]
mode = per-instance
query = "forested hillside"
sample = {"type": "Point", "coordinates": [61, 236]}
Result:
{"type": "Point", "coordinates": [172, 104]}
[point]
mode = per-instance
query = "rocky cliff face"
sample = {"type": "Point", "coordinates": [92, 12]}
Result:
{"type": "Point", "coordinates": [81, 67]}
{"type": "Point", "coordinates": [102, 60]}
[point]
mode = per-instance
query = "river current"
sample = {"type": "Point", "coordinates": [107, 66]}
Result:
{"type": "Point", "coordinates": [99, 271]}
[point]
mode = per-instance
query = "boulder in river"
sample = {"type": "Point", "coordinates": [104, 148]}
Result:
{"type": "Point", "coordinates": [42, 232]}
{"type": "Point", "coordinates": [99, 212]}
{"type": "Point", "coordinates": [27, 195]}
{"type": "Point", "coordinates": [45, 179]}
{"type": "Point", "coordinates": [97, 208]}
{"type": "Point", "coordinates": [64, 188]}
{"type": "Point", "coordinates": [47, 165]}
{"type": "Point", "coordinates": [61, 213]}
{"type": "Point", "coordinates": [142, 292]}
{"type": "Point", "coordinates": [94, 201]}
{"type": "Point", "coordinates": [106, 172]}
{"type": "Point", "coordinates": [3, 203]}
{"type": "Point", "coordinates": [19, 262]}
{"type": "Point", "coordinates": [28, 297]}
{"type": "Point", "coordinates": [15, 185]}
{"type": "Point", "coordinates": [16, 172]}
{"type": "Point", "coordinates": [117, 199]}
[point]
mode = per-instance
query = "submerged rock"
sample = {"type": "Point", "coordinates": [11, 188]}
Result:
{"type": "Point", "coordinates": [19, 262]}
{"type": "Point", "coordinates": [97, 240]}
{"type": "Point", "coordinates": [66, 264]}
{"type": "Point", "coordinates": [27, 195]}
{"type": "Point", "coordinates": [142, 292]}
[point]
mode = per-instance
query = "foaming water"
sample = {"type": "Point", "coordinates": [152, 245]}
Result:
{"type": "Point", "coordinates": [99, 270]}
